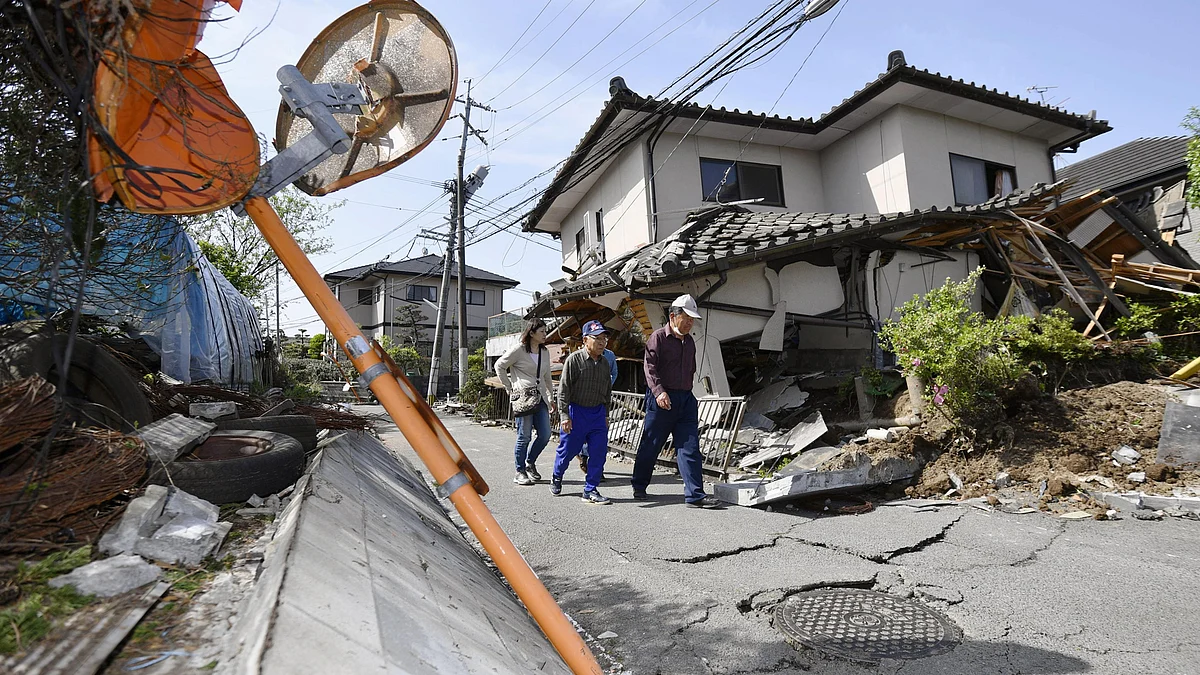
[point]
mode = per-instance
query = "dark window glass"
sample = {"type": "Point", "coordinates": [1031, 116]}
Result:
{"type": "Point", "coordinates": [725, 181]}
{"type": "Point", "coordinates": [976, 181]}
{"type": "Point", "coordinates": [476, 297]}
{"type": "Point", "coordinates": [418, 293]}
{"type": "Point", "coordinates": [366, 296]}
{"type": "Point", "coordinates": [580, 242]}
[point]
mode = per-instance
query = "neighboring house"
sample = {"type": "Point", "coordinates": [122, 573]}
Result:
{"type": "Point", "coordinates": [372, 295]}
{"type": "Point", "coordinates": [909, 140]}
{"type": "Point", "coordinates": [802, 263]}
{"type": "Point", "coordinates": [1148, 177]}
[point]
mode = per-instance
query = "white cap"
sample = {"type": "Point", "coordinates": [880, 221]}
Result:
{"type": "Point", "coordinates": [688, 304]}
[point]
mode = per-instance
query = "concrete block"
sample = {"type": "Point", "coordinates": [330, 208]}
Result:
{"type": "Point", "coordinates": [1137, 477]}
{"type": "Point", "coordinates": [1122, 501]}
{"type": "Point", "coordinates": [186, 540]}
{"type": "Point", "coordinates": [1171, 503]}
{"type": "Point", "coordinates": [811, 458]}
{"type": "Point", "coordinates": [1002, 480]}
{"type": "Point", "coordinates": [180, 503]}
{"type": "Point", "coordinates": [739, 492]}
{"type": "Point", "coordinates": [173, 436]}
{"type": "Point", "coordinates": [853, 476]}
{"type": "Point", "coordinates": [885, 435]}
{"type": "Point", "coordinates": [1126, 455]}
{"type": "Point", "coordinates": [109, 577]}
{"type": "Point", "coordinates": [800, 437]}
{"type": "Point", "coordinates": [141, 519]}
{"type": "Point", "coordinates": [214, 412]}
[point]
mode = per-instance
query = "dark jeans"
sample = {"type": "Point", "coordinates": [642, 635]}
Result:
{"type": "Point", "coordinates": [523, 453]}
{"type": "Point", "coordinates": [683, 424]}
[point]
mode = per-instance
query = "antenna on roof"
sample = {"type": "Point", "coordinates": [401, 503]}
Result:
{"type": "Point", "coordinates": [1040, 90]}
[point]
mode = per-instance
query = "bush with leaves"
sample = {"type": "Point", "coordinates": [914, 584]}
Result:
{"type": "Point", "coordinates": [961, 355]}
{"type": "Point", "coordinates": [476, 374]}
{"type": "Point", "coordinates": [407, 358]}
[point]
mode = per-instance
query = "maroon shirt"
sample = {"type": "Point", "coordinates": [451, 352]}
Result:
{"type": "Point", "coordinates": [670, 362]}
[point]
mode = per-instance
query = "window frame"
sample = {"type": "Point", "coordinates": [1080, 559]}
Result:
{"type": "Point", "coordinates": [370, 291]}
{"type": "Point", "coordinates": [737, 164]}
{"type": "Point", "coordinates": [411, 296]}
{"type": "Point", "coordinates": [482, 293]}
{"type": "Point", "coordinates": [581, 243]}
{"type": "Point", "coordinates": [989, 171]}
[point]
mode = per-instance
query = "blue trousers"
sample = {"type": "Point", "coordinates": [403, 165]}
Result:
{"type": "Point", "coordinates": [588, 425]}
{"type": "Point", "coordinates": [683, 424]}
{"type": "Point", "coordinates": [539, 420]}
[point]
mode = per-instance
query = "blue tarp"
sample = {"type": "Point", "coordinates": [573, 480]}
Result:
{"type": "Point", "coordinates": [149, 278]}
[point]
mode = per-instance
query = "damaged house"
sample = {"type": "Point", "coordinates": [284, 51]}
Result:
{"type": "Point", "coordinates": [800, 237]}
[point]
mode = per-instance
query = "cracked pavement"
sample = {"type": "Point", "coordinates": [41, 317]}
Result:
{"type": "Point", "coordinates": [693, 591]}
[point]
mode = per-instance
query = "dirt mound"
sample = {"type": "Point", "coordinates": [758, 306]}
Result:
{"type": "Point", "coordinates": [1062, 440]}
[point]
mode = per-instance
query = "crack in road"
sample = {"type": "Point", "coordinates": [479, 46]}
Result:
{"type": "Point", "coordinates": [725, 554]}
{"type": "Point", "coordinates": [1032, 557]}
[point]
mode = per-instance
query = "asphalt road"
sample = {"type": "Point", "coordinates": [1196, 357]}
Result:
{"type": "Point", "coordinates": [690, 591]}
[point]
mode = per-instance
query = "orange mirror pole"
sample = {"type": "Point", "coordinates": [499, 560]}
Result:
{"type": "Point", "coordinates": [424, 440]}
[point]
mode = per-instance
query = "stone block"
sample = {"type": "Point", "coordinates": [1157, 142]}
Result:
{"type": "Point", "coordinates": [185, 540]}
{"type": "Point", "coordinates": [141, 519]}
{"type": "Point", "coordinates": [214, 412]}
{"type": "Point", "coordinates": [173, 436]}
{"type": "Point", "coordinates": [1126, 455]}
{"type": "Point", "coordinates": [180, 503]}
{"type": "Point", "coordinates": [109, 577]}
{"type": "Point", "coordinates": [739, 492]}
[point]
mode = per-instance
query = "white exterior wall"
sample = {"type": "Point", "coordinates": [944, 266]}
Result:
{"type": "Point", "coordinates": [930, 138]}
{"type": "Point", "coordinates": [621, 193]}
{"type": "Point", "coordinates": [866, 170]}
{"type": "Point", "coordinates": [678, 189]}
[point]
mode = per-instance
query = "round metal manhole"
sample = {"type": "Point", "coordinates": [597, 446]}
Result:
{"type": "Point", "coordinates": [865, 625]}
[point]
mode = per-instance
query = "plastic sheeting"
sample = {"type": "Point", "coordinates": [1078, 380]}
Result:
{"type": "Point", "coordinates": [148, 277]}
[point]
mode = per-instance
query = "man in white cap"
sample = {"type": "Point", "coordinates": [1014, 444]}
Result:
{"type": "Point", "coordinates": [670, 365]}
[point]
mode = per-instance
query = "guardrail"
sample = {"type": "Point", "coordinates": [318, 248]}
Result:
{"type": "Point", "coordinates": [720, 418]}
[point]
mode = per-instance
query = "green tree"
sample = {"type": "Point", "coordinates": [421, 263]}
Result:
{"type": "Point", "coordinates": [408, 320]}
{"type": "Point", "coordinates": [1191, 122]}
{"type": "Point", "coordinates": [234, 245]}
{"type": "Point", "coordinates": [316, 345]}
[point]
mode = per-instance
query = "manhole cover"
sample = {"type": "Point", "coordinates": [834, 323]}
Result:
{"type": "Point", "coordinates": [865, 625]}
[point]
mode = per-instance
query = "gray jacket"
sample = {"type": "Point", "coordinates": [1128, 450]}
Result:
{"type": "Point", "coordinates": [518, 369]}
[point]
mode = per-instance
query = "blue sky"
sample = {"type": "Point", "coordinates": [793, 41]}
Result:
{"type": "Point", "coordinates": [1128, 61]}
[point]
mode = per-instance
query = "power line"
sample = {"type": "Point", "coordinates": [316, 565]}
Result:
{"type": "Point", "coordinates": [547, 51]}
{"type": "Point", "coordinates": [514, 44]}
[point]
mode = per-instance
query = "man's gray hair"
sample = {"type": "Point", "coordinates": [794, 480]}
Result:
{"type": "Point", "coordinates": [675, 311]}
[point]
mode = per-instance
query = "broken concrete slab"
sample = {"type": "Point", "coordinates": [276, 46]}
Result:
{"type": "Point", "coordinates": [1160, 502]}
{"type": "Point", "coordinates": [1127, 455]}
{"type": "Point", "coordinates": [811, 459]}
{"type": "Point", "coordinates": [180, 503]}
{"type": "Point", "coordinates": [141, 519]}
{"type": "Point", "coordinates": [185, 540]}
{"type": "Point", "coordinates": [173, 436]}
{"type": "Point", "coordinates": [855, 471]}
{"type": "Point", "coordinates": [214, 412]}
{"type": "Point", "coordinates": [1179, 443]}
{"type": "Point", "coordinates": [280, 408]}
{"type": "Point", "coordinates": [776, 396]}
{"type": "Point", "coordinates": [109, 577]}
{"type": "Point", "coordinates": [797, 440]}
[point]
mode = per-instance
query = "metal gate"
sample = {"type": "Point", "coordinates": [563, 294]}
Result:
{"type": "Point", "coordinates": [720, 418]}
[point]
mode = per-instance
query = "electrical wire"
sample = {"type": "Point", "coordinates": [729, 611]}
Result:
{"type": "Point", "coordinates": [518, 40]}
{"type": "Point", "coordinates": [543, 54]}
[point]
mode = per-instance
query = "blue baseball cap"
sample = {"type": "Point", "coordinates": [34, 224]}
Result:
{"type": "Point", "coordinates": [593, 328]}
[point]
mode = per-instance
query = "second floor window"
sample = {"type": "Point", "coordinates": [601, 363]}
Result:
{"type": "Point", "coordinates": [476, 297]}
{"type": "Point", "coordinates": [976, 181]}
{"type": "Point", "coordinates": [418, 293]}
{"type": "Point", "coordinates": [366, 296]}
{"type": "Point", "coordinates": [580, 243]}
{"type": "Point", "coordinates": [727, 181]}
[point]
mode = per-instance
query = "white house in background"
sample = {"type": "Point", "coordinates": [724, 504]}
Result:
{"type": "Point", "coordinates": [911, 139]}
{"type": "Point", "coordinates": [372, 294]}
{"type": "Point", "coordinates": [804, 265]}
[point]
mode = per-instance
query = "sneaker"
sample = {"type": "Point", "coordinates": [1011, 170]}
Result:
{"type": "Point", "coordinates": [555, 485]}
{"type": "Point", "coordinates": [641, 495]}
{"type": "Point", "coordinates": [594, 497]}
{"type": "Point", "coordinates": [707, 503]}
{"type": "Point", "coordinates": [532, 472]}
{"type": "Point", "coordinates": [522, 478]}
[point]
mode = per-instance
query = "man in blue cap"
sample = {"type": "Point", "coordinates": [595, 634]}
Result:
{"type": "Point", "coordinates": [584, 391]}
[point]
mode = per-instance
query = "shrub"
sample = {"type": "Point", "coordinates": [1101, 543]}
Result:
{"type": "Point", "coordinates": [962, 356]}
{"type": "Point", "coordinates": [476, 374]}
{"type": "Point", "coordinates": [1050, 337]}
{"type": "Point", "coordinates": [311, 371]}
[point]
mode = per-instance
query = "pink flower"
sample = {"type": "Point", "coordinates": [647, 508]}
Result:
{"type": "Point", "coordinates": [939, 394]}
{"type": "Point", "coordinates": [916, 363]}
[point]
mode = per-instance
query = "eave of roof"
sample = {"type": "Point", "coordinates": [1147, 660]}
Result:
{"type": "Point", "coordinates": [1088, 126]}
{"type": "Point", "coordinates": [769, 235]}
{"type": "Point", "coordinates": [397, 268]}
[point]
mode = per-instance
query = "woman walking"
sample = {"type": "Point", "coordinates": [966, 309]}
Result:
{"type": "Point", "coordinates": [524, 371]}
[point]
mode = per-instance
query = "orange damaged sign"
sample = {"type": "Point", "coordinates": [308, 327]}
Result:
{"type": "Point", "coordinates": [170, 138]}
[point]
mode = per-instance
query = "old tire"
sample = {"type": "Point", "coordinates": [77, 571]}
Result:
{"type": "Point", "coordinates": [94, 376]}
{"type": "Point", "coordinates": [303, 428]}
{"type": "Point", "coordinates": [225, 481]}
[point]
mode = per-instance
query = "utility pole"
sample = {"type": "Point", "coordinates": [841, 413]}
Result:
{"type": "Point", "coordinates": [464, 190]}
{"type": "Point", "coordinates": [439, 324]}
{"type": "Point", "coordinates": [278, 336]}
